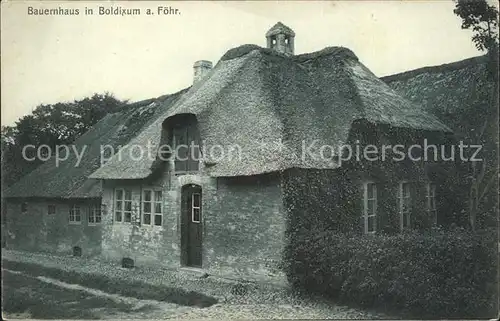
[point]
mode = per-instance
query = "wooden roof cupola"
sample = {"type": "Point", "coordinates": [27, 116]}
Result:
{"type": "Point", "coordinates": [281, 38]}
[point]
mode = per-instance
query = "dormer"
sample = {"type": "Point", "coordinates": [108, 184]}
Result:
{"type": "Point", "coordinates": [281, 38]}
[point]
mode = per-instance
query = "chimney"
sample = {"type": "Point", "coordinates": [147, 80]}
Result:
{"type": "Point", "coordinates": [201, 69]}
{"type": "Point", "coordinates": [281, 38]}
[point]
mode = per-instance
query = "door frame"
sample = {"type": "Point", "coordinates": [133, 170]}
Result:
{"type": "Point", "coordinates": [185, 219]}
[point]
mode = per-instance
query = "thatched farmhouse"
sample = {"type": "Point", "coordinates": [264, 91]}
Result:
{"type": "Point", "coordinates": [230, 203]}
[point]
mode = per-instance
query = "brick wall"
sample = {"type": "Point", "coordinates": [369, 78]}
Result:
{"type": "Point", "coordinates": [243, 224]}
{"type": "Point", "coordinates": [245, 228]}
{"type": "Point", "coordinates": [36, 230]}
{"type": "Point", "coordinates": [143, 243]}
{"type": "Point", "coordinates": [150, 244]}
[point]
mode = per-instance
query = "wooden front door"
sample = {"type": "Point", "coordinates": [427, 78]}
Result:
{"type": "Point", "coordinates": [191, 226]}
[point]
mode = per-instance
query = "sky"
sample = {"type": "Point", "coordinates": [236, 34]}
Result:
{"type": "Point", "coordinates": [50, 59]}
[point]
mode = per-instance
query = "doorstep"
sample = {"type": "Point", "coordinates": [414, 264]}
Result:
{"type": "Point", "coordinates": [193, 270]}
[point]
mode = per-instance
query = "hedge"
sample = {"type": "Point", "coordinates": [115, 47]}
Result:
{"type": "Point", "coordinates": [432, 274]}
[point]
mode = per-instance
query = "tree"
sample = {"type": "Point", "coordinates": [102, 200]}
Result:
{"type": "Point", "coordinates": [62, 123]}
{"type": "Point", "coordinates": [483, 19]}
{"type": "Point", "coordinates": [50, 124]}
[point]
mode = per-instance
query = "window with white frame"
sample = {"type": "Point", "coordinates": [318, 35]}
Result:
{"type": "Point", "coordinates": [431, 201]}
{"type": "Point", "coordinates": [369, 207]}
{"type": "Point", "coordinates": [158, 208]}
{"type": "Point", "coordinates": [95, 214]}
{"type": "Point", "coordinates": [196, 208]}
{"type": "Point", "coordinates": [75, 215]}
{"type": "Point", "coordinates": [147, 206]}
{"type": "Point", "coordinates": [123, 205]}
{"type": "Point", "coordinates": [51, 209]}
{"type": "Point", "coordinates": [152, 207]}
{"type": "Point", "coordinates": [404, 205]}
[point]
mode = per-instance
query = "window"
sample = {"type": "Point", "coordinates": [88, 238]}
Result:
{"type": "Point", "coordinates": [51, 209]}
{"type": "Point", "coordinates": [186, 148]}
{"type": "Point", "coordinates": [24, 207]}
{"type": "Point", "coordinates": [196, 208]}
{"type": "Point", "coordinates": [75, 216]}
{"type": "Point", "coordinates": [158, 208]}
{"type": "Point", "coordinates": [123, 205]}
{"type": "Point", "coordinates": [95, 215]}
{"type": "Point", "coordinates": [147, 206]}
{"type": "Point", "coordinates": [152, 207]}
{"type": "Point", "coordinates": [404, 205]}
{"type": "Point", "coordinates": [431, 201]}
{"type": "Point", "coordinates": [369, 208]}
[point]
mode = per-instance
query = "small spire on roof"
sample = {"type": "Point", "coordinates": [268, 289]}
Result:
{"type": "Point", "coordinates": [281, 38]}
{"type": "Point", "coordinates": [279, 27]}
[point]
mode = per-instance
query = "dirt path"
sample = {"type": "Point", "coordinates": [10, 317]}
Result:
{"type": "Point", "coordinates": [129, 307]}
{"type": "Point", "coordinates": [260, 302]}
{"type": "Point", "coordinates": [133, 308]}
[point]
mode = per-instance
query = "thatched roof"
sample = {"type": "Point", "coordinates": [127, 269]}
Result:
{"type": "Point", "coordinates": [459, 93]}
{"type": "Point", "coordinates": [446, 88]}
{"type": "Point", "coordinates": [69, 181]}
{"type": "Point", "coordinates": [268, 104]}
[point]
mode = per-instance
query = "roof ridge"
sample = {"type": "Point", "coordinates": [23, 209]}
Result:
{"type": "Point", "coordinates": [340, 51]}
{"type": "Point", "coordinates": [140, 103]}
{"type": "Point", "coordinates": [435, 69]}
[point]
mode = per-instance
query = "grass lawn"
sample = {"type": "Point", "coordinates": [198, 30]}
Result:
{"type": "Point", "coordinates": [122, 287]}
{"type": "Point", "coordinates": [26, 295]}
